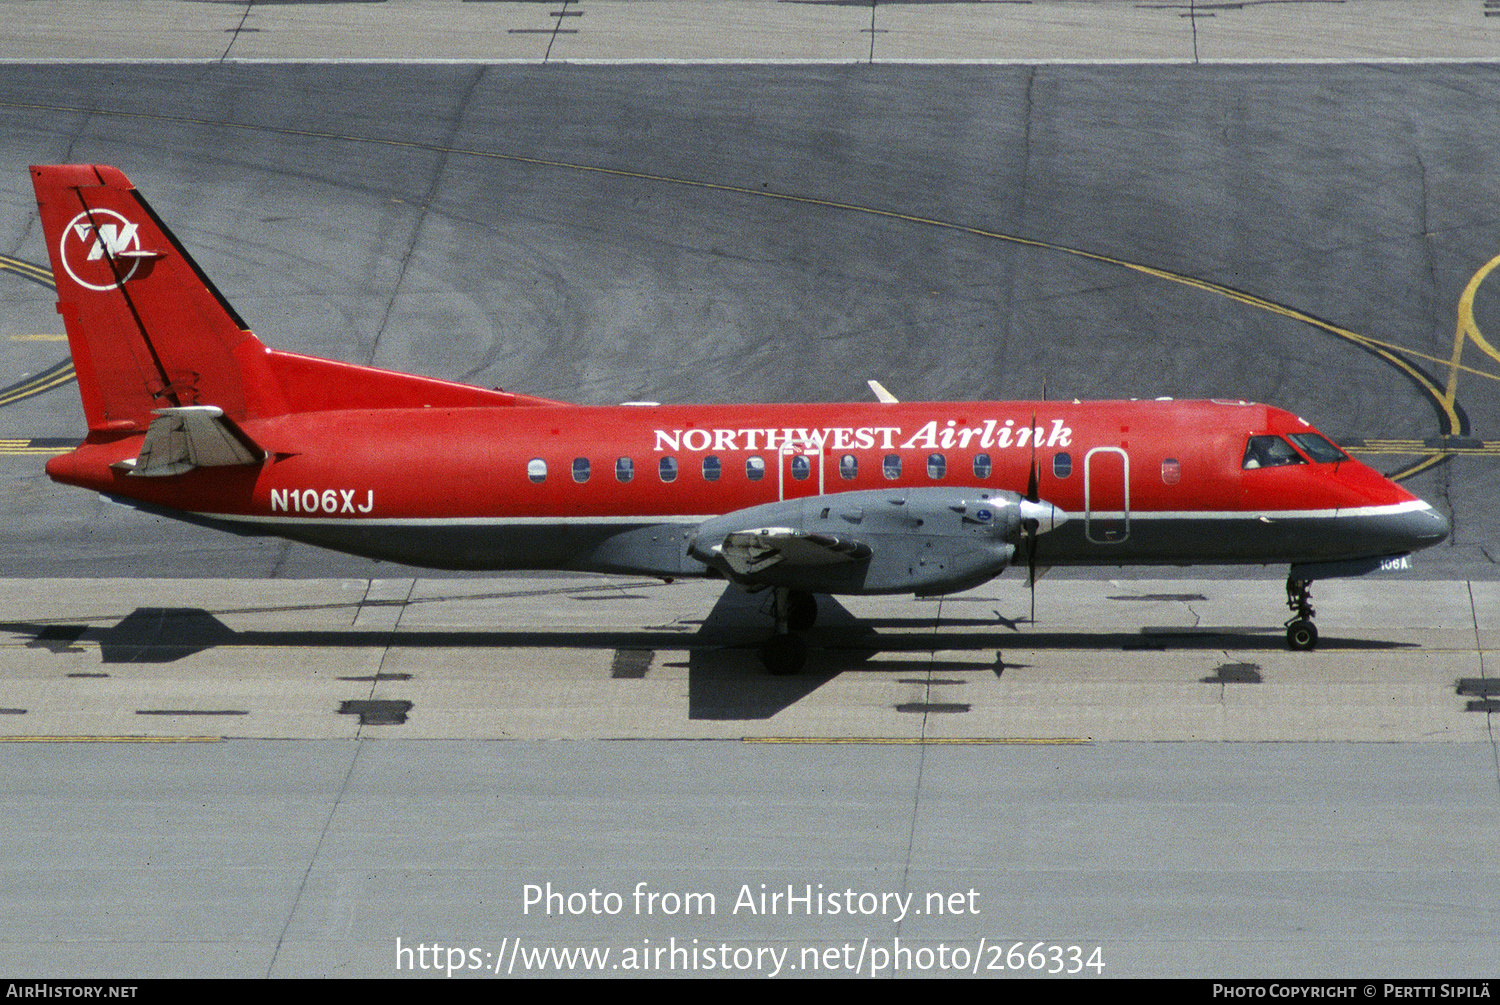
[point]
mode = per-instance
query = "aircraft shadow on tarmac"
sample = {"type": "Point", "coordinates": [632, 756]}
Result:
{"type": "Point", "coordinates": [725, 679]}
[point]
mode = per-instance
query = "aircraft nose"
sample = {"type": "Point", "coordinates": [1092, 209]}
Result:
{"type": "Point", "coordinates": [1416, 528]}
{"type": "Point", "coordinates": [1427, 527]}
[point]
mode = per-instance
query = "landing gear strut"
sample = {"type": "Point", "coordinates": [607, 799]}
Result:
{"type": "Point", "coordinates": [1301, 633]}
{"type": "Point", "coordinates": [801, 610]}
{"type": "Point", "coordinates": [785, 652]}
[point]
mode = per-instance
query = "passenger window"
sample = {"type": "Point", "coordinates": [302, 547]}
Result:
{"type": "Point", "coordinates": [1318, 448]}
{"type": "Point", "coordinates": [1062, 465]}
{"type": "Point", "coordinates": [755, 468]}
{"type": "Point", "coordinates": [801, 467]}
{"type": "Point", "coordinates": [666, 468]}
{"type": "Point", "coordinates": [624, 469]}
{"type": "Point", "coordinates": [1269, 452]}
{"type": "Point", "coordinates": [982, 466]}
{"type": "Point", "coordinates": [580, 469]}
{"type": "Point", "coordinates": [848, 467]}
{"type": "Point", "coordinates": [937, 466]}
{"type": "Point", "coordinates": [536, 470]}
{"type": "Point", "coordinates": [891, 466]}
{"type": "Point", "coordinates": [1171, 471]}
{"type": "Point", "coordinates": [711, 468]}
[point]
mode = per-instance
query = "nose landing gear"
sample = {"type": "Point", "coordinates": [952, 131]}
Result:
{"type": "Point", "coordinates": [1301, 633]}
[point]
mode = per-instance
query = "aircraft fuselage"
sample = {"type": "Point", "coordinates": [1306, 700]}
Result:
{"type": "Point", "coordinates": [622, 488]}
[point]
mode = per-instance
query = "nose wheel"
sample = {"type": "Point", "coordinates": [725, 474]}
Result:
{"type": "Point", "coordinates": [785, 652]}
{"type": "Point", "coordinates": [1301, 633]}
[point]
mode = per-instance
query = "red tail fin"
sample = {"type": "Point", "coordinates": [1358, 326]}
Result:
{"type": "Point", "coordinates": [148, 330]}
{"type": "Point", "coordinates": [146, 327]}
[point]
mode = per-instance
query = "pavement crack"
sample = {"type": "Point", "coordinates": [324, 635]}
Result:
{"type": "Point", "coordinates": [916, 808]}
{"type": "Point", "coordinates": [1489, 720]}
{"type": "Point", "coordinates": [391, 635]}
{"type": "Point", "coordinates": [313, 859]}
{"type": "Point", "coordinates": [283, 552]}
{"type": "Point", "coordinates": [444, 152]}
{"type": "Point", "coordinates": [234, 33]}
{"type": "Point", "coordinates": [1193, 21]}
{"type": "Point", "coordinates": [557, 28]}
{"type": "Point", "coordinates": [1424, 211]}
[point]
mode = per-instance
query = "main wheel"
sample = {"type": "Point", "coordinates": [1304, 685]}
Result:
{"type": "Point", "coordinates": [1301, 634]}
{"type": "Point", "coordinates": [784, 654]}
{"type": "Point", "coordinates": [801, 611]}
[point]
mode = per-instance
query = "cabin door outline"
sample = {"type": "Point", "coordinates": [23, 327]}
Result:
{"type": "Point", "coordinates": [1106, 504]}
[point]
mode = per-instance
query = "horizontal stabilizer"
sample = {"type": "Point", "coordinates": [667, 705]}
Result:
{"type": "Point", "coordinates": [752, 551]}
{"type": "Point", "coordinates": [192, 436]}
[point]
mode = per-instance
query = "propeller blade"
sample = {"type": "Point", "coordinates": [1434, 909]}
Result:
{"type": "Point", "coordinates": [1033, 480]}
{"type": "Point", "coordinates": [1031, 565]}
{"type": "Point", "coordinates": [1037, 517]}
{"type": "Point", "coordinates": [1033, 525]}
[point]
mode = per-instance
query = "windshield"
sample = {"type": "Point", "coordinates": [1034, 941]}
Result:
{"type": "Point", "coordinates": [1269, 452]}
{"type": "Point", "coordinates": [1318, 448]}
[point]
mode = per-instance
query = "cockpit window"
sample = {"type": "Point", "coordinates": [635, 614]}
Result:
{"type": "Point", "coordinates": [1269, 452]}
{"type": "Point", "coordinates": [1318, 448]}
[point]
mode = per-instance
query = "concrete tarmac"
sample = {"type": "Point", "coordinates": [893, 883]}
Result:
{"type": "Point", "coordinates": [588, 658]}
{"type": "Point", "coordinates": [395, 777]}
{"type": "Point", "coordinates": [289, 763]}
{"type": "Point", "coordinates": [328, 858]}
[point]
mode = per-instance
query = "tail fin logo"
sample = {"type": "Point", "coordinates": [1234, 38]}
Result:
{"type": "Point", "coordinates": [101, 249]}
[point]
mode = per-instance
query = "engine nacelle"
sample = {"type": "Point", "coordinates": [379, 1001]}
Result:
{"type": "Point", "coordinates": [901, 540]}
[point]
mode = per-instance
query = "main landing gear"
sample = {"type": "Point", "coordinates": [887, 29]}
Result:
{"type": "Point", "coordinates": [1301, 633]}
{"type": "Point", "coordinates": [785, 652]}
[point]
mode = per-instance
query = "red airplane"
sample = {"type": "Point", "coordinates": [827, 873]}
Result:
{"type": "Point", "coordinates": [191, 416]}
